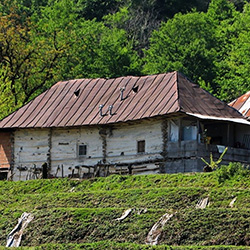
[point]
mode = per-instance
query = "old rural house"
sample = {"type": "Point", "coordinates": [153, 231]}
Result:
{"type": "Point", "coordinates": [157, 123]}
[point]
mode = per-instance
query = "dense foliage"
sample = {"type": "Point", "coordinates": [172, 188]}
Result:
{"type": "Point", "coordinates": [42, 42]}
{"type": "Point", "coordinates": [72, 214]}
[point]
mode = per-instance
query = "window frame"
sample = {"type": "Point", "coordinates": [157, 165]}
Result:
{"type": "Point", "coordinates": [79, 150]}
{"type": "Point", "coordinates": [141, 147]}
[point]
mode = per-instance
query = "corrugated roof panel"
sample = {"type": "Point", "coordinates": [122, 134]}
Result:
{"type": "Point", "coordinates": [44, 105]}
{"type": "Point", "coordinates": [165, 99]}
{"type": "Point", "coordinates": [167, 103]}
{"type": "Point", "coordinates": [106, 99]}
{"type": "Point", "coordinates": [143, 87]}
{"type": "Point", "coordinates": [10, 120]}
{"type": "Point", "coordinates": [53, 102]}
{"type": "Point", "coordinates": [72, 96]}
{"type": "Point", "coordinates": [190, 97]}
{"type": "Point", "coordinates": [113, 99]}
{"type": "Point", "coordinates": [149, 98]}
{"type": "Point", "coordinates": [142, 96]}
{"type": "Point", "coordinates": [23, 119]}
{"type": "Point", "coordinates": [207, 109]}
{"type": "Point", "coordinates": [242, 104]}
{"type": "Point", "coordinates": [90, 102]}
{"type": "Point", "coordinates": [84, 100]}
{"type": "Point", "coordinates": [240, 101]}
{"type": "Point", "coordinates": [118, 104]}
{"type": "Point", "coordinates": [195, 100]}
{"type": "Point", "coordinates": [58, 107]}
{"type": "Point", "coordinates": [129, 102]}
{"type": "Point", "coordinates": [155, 97]}
{"type": "Point", "coordinates": [99, 99]}
{"type": "Point", "coordinates": [74, 105]}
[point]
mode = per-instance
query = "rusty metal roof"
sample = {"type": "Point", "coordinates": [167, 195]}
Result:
{"type": "Point", "coordinates": [242, 104]}
{"type": "Point", "coordinates": [77, 102]}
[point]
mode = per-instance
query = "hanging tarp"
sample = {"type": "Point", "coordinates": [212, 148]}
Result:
{"type": "Point", "coordinates": [15, 236]}
{"type": "Point", "coordinates": [155, 232]}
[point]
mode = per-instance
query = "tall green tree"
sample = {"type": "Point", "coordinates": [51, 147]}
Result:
{"type": "Point", "coordinates": [184, 43]}
{"type": "Point", "coordinates": [196, 44]}
{"type": "Point", "coordinates": [93, 48]}
{"type": "Point", "coordinates": [96, 9]}
{"type": "Point", "coordinates": [26, 61]}
{"type": "Point", "coordinates": [234, 70]}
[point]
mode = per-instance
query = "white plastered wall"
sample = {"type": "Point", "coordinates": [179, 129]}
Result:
{"type": "Point", "coordinates": [30, 147]}
{"type": "Point", "coordinates": [60, 145]}
{"type": "Point", "coordinates": [122, 142]}
{"type": "Point", "coordinates": [64, 148]}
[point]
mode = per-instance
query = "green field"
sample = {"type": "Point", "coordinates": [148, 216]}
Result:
{"type": "Point", "coordinates": [72, 214]}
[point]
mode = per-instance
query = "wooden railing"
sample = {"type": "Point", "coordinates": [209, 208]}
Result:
{"type": "Point", "coordinates": [193, 149]}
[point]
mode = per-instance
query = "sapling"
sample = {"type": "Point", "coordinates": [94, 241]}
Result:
{"type": "Point", "coordinates": [214, 164]}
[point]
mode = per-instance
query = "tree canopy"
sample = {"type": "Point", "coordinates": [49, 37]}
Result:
{"type": "Point", "coordinates": [44, 41]}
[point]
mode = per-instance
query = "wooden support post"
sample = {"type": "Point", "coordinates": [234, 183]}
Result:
{"type": "Point", "coordinates": [49, 151]}
{"type": "Point", "coordinates": [228, 134]}
{"type": "Point", "coordinates": [62, 171]}
{"type": "Point", "coordinates": [180, 132]}
{"type": "Point", "coordinates": [198, 131]}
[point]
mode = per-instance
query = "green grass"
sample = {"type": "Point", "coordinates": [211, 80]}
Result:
{"type": "Point", "coordinates": [109, 245]}
{"type": "Point", "coordinates": [71, 214]}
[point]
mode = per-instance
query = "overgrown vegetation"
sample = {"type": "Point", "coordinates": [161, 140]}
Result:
{"type": "Point", "coordinates": [72, 214]}
{"type": "Point", "coordinates": [42, 42]}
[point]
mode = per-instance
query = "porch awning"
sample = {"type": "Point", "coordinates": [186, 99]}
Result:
{"type": "Point", "coordinates": [226, 119]}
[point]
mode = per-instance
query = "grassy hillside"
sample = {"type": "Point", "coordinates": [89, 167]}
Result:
{"type": "Point", "coordinates": [71, 214]}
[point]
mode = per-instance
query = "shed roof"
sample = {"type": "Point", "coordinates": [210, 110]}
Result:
{"type": "Point", "coordinates": [77, 102]}
{"type": "Point", "coordinates": [242, 104]}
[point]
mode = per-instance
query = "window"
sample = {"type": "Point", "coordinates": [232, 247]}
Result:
{"type": "Point", "coordinates": [189, 130]}
{"type": "Point", "coordinates": [189, 133]}
{"type": "Point", "coordinates": [82, 150]}
{"type": "Point", "coordinates": [141, 146]}
{"type": "Point", "coordinates": [174, 131]}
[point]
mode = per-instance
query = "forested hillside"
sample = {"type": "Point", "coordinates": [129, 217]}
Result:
{"type": "Point", "coordinates": [45, 41]}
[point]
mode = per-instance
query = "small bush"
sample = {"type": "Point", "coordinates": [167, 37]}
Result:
{"type": "Point", "coordinates": [234, 169]}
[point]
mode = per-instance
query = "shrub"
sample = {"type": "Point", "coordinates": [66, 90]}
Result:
{"type": "Point", "coordinates": [232, 170]}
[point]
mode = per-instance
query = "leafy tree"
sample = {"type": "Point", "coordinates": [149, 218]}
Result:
{"type": "Point", "coordinates": [165, 9]}
{"type": "Point", "coordinates": [220, 10]}
{"type": "Point", "coordinates": [23, 8]}
{"type": "Point", "coordinates": [93, 49]}
{"type": "Point", "coordinates": [96, 9]}
{"type": "Point", "coordinates": [184, 43]}
{"type": "Point", "coordinates": [138, 24]}
{"type": "Point", "coordinates": [234, 70]}
{"type": "Point", "coordinates": [198, 44]}
{"type": "Point", "coordinates": [97, 51]}
{"type": "Point", "coordinates": [26, 62]}
{"type": "Point", "coordinates": [43, 41]}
